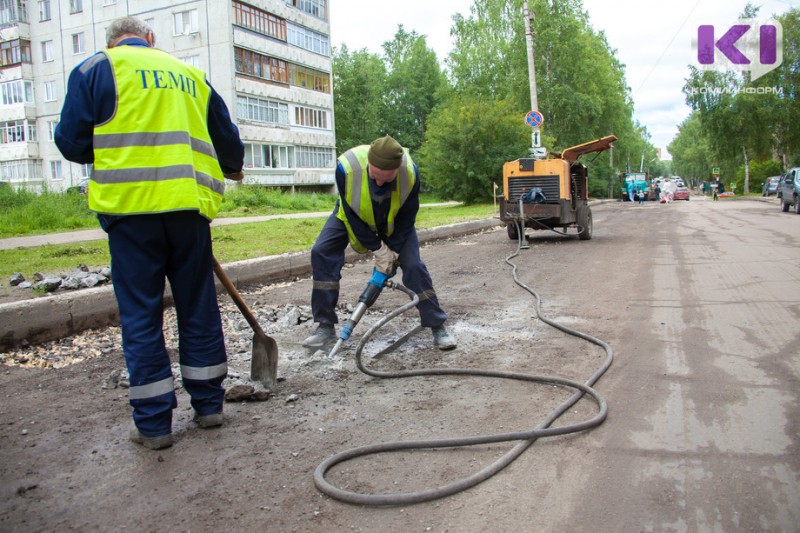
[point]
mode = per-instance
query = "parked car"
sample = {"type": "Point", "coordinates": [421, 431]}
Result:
{"type": "Point", "coordinates": [790, 190]}
{"type": "Point", "coordinates": [82, 187]}
{"type": "Point", "coordinates": [770, 186]}
{"type": "Point", "coordinates": [681, 193]}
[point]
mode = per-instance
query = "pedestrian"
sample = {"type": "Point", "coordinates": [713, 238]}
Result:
{"type": "Point", "coordinates": [631, 191]}
{"type": "Point", "coordinates": [657, 192]}
{"type": "Point", "coordinates": [161, 142]}
{"type": "Point", "coordinates": [378, 187]}
{"type": "Point", "coordinates": [640, 196]}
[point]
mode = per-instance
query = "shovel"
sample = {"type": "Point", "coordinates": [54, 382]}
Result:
{"type": "Point", "coordinates": [264, 362]}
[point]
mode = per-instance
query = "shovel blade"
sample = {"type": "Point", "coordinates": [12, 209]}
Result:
{"type": "Point", "coordinates": [264, 362]}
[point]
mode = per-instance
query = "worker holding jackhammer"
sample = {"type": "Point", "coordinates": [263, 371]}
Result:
{"type": "Point", "coordinates": [161, 141]}
{"type": "Point", "coordinates": [378, 188]}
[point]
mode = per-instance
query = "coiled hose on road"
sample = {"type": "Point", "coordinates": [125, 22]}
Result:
{"type": "Point", "coordinates": [526, 438]}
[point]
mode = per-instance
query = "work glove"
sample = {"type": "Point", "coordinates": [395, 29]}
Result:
{"type": "Point", "coordinates": [385, 260]}
{"type": "Point", "coordinates": [235, 176]}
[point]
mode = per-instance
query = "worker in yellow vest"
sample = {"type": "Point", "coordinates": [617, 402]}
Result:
{"type": "Point", "coordinates": [161, 142]}
{"type": "Point", "coordinates": [376, 211]}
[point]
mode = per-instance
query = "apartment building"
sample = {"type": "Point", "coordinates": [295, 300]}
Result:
{"type": "Point", "coordinates": [269, 59]}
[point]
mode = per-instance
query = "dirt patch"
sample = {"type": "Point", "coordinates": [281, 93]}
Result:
{"type": "Point", "coordinates": [67, 462]}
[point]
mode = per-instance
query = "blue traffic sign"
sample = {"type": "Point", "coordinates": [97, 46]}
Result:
{"type": "Point", "coordinates": [534, 119]}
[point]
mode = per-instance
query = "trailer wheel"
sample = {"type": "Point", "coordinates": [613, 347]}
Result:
{"type": "Point", "coordinates": [584, 219]}
{"type": "Point", "coordinates": [513, 233]}
{"type": "Point", "coordinates": [785, 206]}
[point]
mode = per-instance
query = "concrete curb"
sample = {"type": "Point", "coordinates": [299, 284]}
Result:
{"type": "Point", "coordinates": [49, 318]}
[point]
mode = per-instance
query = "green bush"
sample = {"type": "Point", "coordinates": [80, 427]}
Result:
{"type": "Point", "coordinates": [759, 172]}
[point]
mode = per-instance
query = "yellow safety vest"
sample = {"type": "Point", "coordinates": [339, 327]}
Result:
{"type": "Point", "coordinates": [155, 154]}
{"type": "Point", "coordinates": [354, 162]}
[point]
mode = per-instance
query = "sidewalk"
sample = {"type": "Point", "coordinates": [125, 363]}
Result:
{"type": "Point", "coordinates": [97, 234]}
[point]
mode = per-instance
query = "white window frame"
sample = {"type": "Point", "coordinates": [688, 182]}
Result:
{"type": "Point", "coordinates": [260, 110]}
{"type": "Point", "coordinates": [308, 39]}
{"type": "Point", "coordinates": [56, 170]}
{"type": "Point", "coordinates": [16, 92]}
{"type": "Point", "coordinates": [75, 6]}
{"type": "Point", "coordinates": [50, 93]}
{"type": "Point", "coordinates": [185, 22]}
{"type": "Point", "coordinates": [47, 51]}
{"type": "Point", "coordinates": [314, 157]}
{"type": "Point", "coordinates": [109, 2]}
{"type": "Point", "coordinates": [17, 131]}
{"type": "Point", "coordinates": [51, 130]}
{"type": "Point", "coordinates": [78, 45]}
{"type": "Point", "coordinates": [193, 60]}
{"type": "Point", "coordinates": [44, 10]}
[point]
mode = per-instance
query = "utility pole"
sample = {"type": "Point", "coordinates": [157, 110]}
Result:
{"type": "Point", "coordinates": [536, 133]}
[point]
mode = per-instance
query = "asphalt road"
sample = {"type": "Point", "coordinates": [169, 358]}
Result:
{"type": "Point", "coordinates": [699, 301]}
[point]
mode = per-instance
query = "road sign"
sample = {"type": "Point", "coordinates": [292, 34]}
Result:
{"type": "Point", "coordinates": [534, 119]}
{"type": "Point", "coordinates": [715, 171]}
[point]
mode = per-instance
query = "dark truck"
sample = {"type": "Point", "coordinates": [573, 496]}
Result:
{"type": "Point", "coordinates": [790, 190]}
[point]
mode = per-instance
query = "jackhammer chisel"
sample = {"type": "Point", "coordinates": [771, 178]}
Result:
{"type": "Point", "coordinates": [373, 289]}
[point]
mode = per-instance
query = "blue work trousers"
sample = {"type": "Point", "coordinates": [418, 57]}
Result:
{"type": "Point", "coordinates": [145, 251]}
{"type": "Point", "coordinates": [327, 260]}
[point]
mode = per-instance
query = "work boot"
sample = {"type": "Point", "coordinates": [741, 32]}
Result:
{"type": "Point", "coordinates": [153, 443]}
{"type": "Point", "coordinates": [442, 338]}
{"type": "Point", "coordinates": [209, 421]}
{"type": "Point", "coordinates": [325, 333]}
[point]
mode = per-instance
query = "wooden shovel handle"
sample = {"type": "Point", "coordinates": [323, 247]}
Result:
{"type": "Point", "coordinates": [236, 297]}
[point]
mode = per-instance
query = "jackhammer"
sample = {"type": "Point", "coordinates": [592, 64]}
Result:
{"type": "Point", "coordinates": [371, 292]}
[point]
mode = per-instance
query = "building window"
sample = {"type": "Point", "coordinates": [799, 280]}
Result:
{"type": "Point", "coordinates": [55, 170]}
{"type": "Point", "coordinates": [312, 118]}
{"type": "Point", "coordinates": [12, 12]}
{"type": "Point", "coordinates": [17, 131]}
{"type": "Point", "coordinates": [77, 43]}
{"type": "Point", "coordinates": [47, 51]}
{"type": "Point", "coordinates": [109, 2]}
{"type": "Point", "coordinates": [268, 156]}
{"type": "Point", "coordinates": [186, 22]}
{"type": "Point", "coordinates": [260, 66]}
{"type": "Point", "coordinates": [259, 21]}
{"type": "Point", "coordinates": [309, 40]}
{"type": "Point", "coordinates": [51, 129]}
{"type": "Point", "coordinates": [15, 52]}
{"type": "Point", "coordinates": [44, 10]}
{"type": "Point", "coordinates": [49, 91]}
{"type": "Point", "coordinates": [75, 6]}
{"type": "Point", "coordinates": [193, 60]}
{"type": "Point", "coordinates": [312, 7]}
{"type": "Point", "coordinates": [17, 92]}
{"type": "Point", "coordinates": [86, 170]}
{"type": "Point", "coordinates": [258, 110]}
{"type": "Point", "coordinates": [314, 157]}
{"type": "Point", "coordinates": [20, 170]}
{"type": "Point", "coordinates": [309, 78]}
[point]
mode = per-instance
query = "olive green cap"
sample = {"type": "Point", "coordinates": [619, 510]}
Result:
{"type": "Point", "coordinates": [385, 153]}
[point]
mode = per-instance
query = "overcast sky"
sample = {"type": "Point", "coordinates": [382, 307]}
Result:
{"type": "Point", "coordinates": [653, 39]}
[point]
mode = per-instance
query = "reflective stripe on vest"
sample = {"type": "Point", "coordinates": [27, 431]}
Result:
{"type": "Point", "coordinates": [355, 164]}
{"type": "Point", "coordinates": [155, 154]}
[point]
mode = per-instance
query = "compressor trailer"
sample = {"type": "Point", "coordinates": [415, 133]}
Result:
{"type": "Point", "coordinates": [561, 191]}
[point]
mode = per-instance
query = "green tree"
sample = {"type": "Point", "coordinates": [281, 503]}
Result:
{"type": "Point", "coordinates": [412, 86]}
{"type": "Point", "coordinates": [582, 91]}
{"type": "Point", "coordinates": [359, 89]}
{"type": "Point", "coordinates": [690, 150]}
{"type": "Point", "coordinates": [468, 140]}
